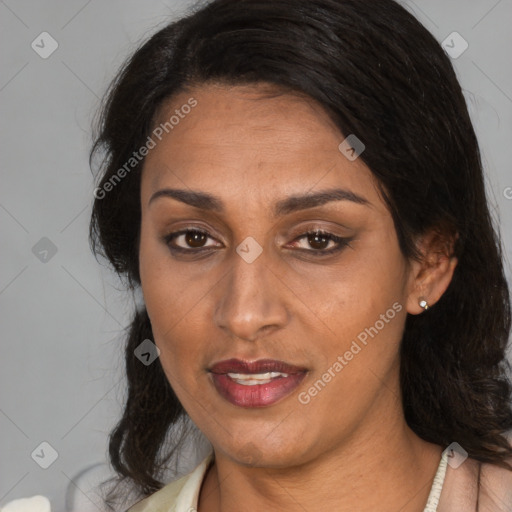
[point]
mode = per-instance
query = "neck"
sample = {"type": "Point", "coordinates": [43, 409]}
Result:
{"type": "Point", "coordinates": [390, 472]}
{"type": "Point", "coordinates": [382, 465]}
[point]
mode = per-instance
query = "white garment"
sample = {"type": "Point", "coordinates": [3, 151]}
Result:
{"type": "Point", "coordinates": [437, 485]}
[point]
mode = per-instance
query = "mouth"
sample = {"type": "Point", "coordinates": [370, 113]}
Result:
{"type": "Point", "coordinates": [257, 383]}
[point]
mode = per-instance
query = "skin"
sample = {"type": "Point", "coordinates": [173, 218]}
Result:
{"type": "Point", "coordinates": [350, 443]}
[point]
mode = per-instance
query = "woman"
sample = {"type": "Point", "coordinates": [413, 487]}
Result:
{"type": "Point", "coordinates": [297, 191]}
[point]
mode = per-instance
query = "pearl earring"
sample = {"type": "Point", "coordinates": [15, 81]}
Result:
{"type": "Point", "coordinates": [423, 303]}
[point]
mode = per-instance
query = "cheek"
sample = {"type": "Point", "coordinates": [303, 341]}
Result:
{"type": "Point", "coordinates": [330, 306]}
{"type": "Point", "coordinates": [365, 316]}
{"type": "Point", "coordinates": [158, 288]}
{"type": "Point", "coordinates": [355, 294]}
{"type": "Point", "coordinates": [173, 302]}
{"type": "Point", "coordinates": [166, 293]}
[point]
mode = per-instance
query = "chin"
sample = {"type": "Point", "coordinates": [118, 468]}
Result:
{"type": "Point", "coordinates": [262, 453]}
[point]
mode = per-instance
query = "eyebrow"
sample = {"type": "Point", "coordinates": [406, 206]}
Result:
{"type": "Point", "coordinates": [206, 201]}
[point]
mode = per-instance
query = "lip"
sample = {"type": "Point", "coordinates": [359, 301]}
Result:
{"type": "Point", "coordinates": [259, 395]}
{"type": "Point", "coordinates": [259, 366]}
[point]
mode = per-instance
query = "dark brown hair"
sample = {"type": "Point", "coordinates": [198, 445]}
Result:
{"type": "Point", "coordinates": [404, 102]}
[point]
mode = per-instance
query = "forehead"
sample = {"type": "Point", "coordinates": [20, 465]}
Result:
{"type": "Point", "coordinates": [249, 142]}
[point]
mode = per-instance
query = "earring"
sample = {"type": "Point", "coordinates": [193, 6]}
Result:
{"type": "Point", "coordinates": [423, 303]}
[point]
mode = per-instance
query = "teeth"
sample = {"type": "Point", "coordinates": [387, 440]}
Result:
{"type": "Point", "coordinates": [254, 379]}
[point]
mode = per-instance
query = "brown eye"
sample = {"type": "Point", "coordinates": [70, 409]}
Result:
{"type": "Point", "coordinates": [318, 241]}
{"type": "Point", "coordinates": [321, 243]}
{"type": "Point", "coordinates": [195, 238]}
{"type": "Point", "coordinates": [187, 240]}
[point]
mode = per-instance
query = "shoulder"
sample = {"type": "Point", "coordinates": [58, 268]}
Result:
{"type": "Point", "coordinates": [496, 487]}
{"type": "Point", "coordinates": [475, 483]}
{"type": "Point", "coordinates": [183, 491]}
{"type": "Point", "coordinates": [496, 483]}
{"type": "Point", "coordinates": [162, 500]}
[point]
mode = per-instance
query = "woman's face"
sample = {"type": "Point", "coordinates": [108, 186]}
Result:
{"type": "Point", "coordinates": [280, 345]}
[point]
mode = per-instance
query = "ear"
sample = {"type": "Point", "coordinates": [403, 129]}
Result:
{"type": "Point", "coordinates": [431, 275]}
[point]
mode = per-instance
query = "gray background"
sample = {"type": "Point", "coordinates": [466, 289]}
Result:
{"type": "Point", "coordinates": [62, 319]}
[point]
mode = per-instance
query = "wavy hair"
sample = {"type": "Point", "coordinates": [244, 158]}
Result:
{"type": "Point", "coordinates": [403, 100]}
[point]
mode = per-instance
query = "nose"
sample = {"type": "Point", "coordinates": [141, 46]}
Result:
{"type": "Point", "coordinates": [252, 301]}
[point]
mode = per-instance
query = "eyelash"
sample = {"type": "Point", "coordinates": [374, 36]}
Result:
{"type": "Point", "coordinates": [340, 241]}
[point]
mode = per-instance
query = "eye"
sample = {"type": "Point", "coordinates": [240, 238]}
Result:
{"type": "Point", "coordinates": [192, 240]}
{"type": "Point", "coordinates": [319, 241]}
{"type": "Point", "coordinates": [189, 241]}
